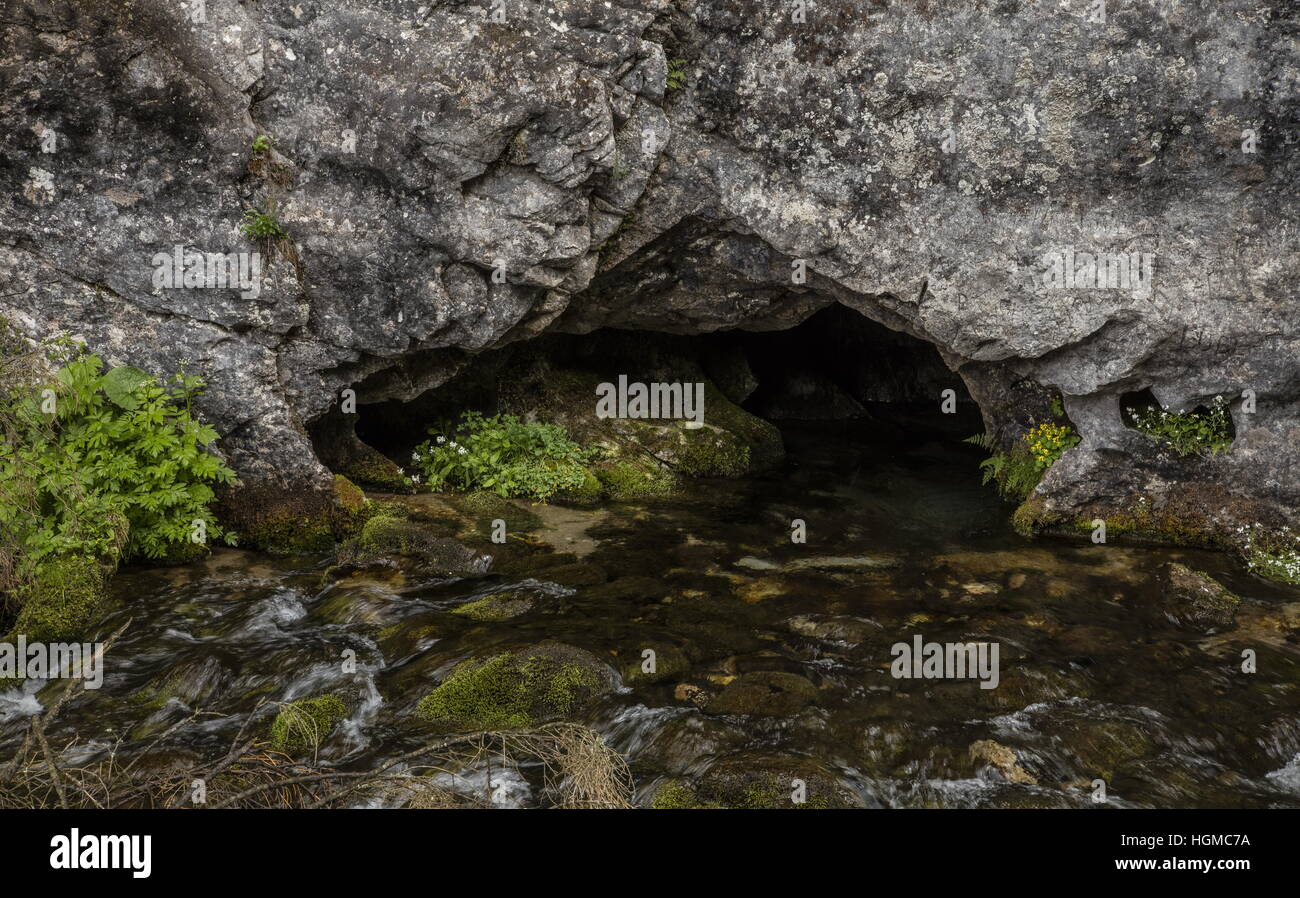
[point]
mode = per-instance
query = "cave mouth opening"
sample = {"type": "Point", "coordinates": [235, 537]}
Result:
{"type": "Point", "coordinates": [835, 370]}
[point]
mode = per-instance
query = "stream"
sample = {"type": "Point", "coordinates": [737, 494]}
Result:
{"type": "Point", "coordinates": [1096, 680]}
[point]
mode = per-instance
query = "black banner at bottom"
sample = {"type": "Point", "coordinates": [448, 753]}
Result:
{"type": "Point", "coordinates": [138, 849]}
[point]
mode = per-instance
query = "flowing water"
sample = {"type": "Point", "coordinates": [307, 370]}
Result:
{"type": "Point", "coordinates": [1097, 680]}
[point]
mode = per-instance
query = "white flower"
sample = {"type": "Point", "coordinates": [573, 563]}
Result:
{"type": "Point", "coordinates": [442, 440]}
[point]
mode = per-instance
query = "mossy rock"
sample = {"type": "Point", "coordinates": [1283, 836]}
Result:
{"type": "Point", "coordinates": [670, 663]}
{"type": "Point", "coordinates": [384, 536]}
{"type": "Point", "coordinates": [497, 607]}
{"type": "Point", "coordinates": [584, 496]}
{"type": "Point", "coordinates": [628, 482]}
{"type": "Point", "coordinates": [191, 682]}
{"type": "Point", "coordinates": [302, 725]}
{"type": "Point", "coordinates": [712, 452]}
{"type": "Point", "coordinates": [517, 689]}
{"type": "Point", "coordinates": [757, 783]}
{"type": "Point", "coordinates": [1197, 600]}
{"type": "Point", "coordinates": [372, 468]}
{"type": "Point", "coordinates": [764, 693]}
{"type": "Point", "coordinates": [66, 598]}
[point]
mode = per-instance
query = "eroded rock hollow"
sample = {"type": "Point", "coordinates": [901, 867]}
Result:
{"type": "Point", "coordinates": [453, 178]}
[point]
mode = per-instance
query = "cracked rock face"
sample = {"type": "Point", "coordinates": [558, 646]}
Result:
{"type": "Point", "coordinates": [450, 183]}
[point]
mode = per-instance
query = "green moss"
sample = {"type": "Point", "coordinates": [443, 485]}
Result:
{"type": "Point", "coordinates": [625, 481]}
{"type": "Point", "coordinates": [302, 725]}
{"type": "Point", "coordinates": [512, 691]}
{"type": "Point", "coordinates": [588, 493]}
{"type": "Point", "coordinates": [289, 533]}
{"type": "Point", "coordinates": [674, 796]}
{"type": "Point", "coordinates": [66, 597]}
{"type": "Point", "coordinates": [710, 452]}
{"type": "Point", "coordinates": [733, 787]}
{"type": "Point", "coordinates": [375, 469]}
{"type": "Point", "coordinates": [496, 607]}
{"type": "Point", "coordinates": [761, 438]}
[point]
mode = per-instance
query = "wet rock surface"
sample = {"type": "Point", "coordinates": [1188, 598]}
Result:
{"type": "Point", "coordinates": [449, 184]}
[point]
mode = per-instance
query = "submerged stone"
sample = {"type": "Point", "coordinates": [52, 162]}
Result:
{"type": "Point", "coordinates": [1194, 599]}
{"type": "Point", "coordinates": [765, 693]}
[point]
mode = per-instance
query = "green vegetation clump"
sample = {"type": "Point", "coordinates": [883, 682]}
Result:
{"type": "Point", "coordinates": [1272, 554]}
{"type": "Point", "coordinates": [96, 467]}
{"type": "Point", "coordinates": [1200, 431]}
{"type": "Point", "coordinates": [496, 607]}
{"type": "Point", "coordinates": [262, 143]}
{"type": "Point", "coordinates": [626, 481]}
{"type": "Point", "coordinates": [66, 596]}
{"type": "Point", "coordinates": [259, 225]}
{"type": "Point", "coordinates": [302, 725]}
{"type": "Point", "coordinates": [675, 75]}
{"type": "Point", "coordinates": [505, 455]}
{"type": "Point", "coordinates": [710, 452]}
{"type": "Point", "coordinates": [1018, 471]}
{"type": "Point", "coordinates": [513, 690]}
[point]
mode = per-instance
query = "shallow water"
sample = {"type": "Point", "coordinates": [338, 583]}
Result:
{"type": "Point", "coordinates": [1096, 681]}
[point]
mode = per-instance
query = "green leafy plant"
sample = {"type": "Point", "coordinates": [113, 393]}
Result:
{"type": "Point", "coordinates": [505, 455]}
{"type": "Point", "coordinates": [91, 448]}
{"type": "Point", "coordinates": [1017, 471]}
{"type": "Point", "coordinates": [1200, 431]}
{"type": "Point", "coordinates": [675, 77]}
{"type": "Point", "coordinates": [260, 225]}
{"type": "Point", "coordinates": [1274, 554]}
{"type": "Point", "coordinates": [262, 143]}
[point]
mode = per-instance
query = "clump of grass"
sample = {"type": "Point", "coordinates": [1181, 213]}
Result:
{"type": "Point", "coordinates": [259, 225]}
{"type": "Point", "coordinates": [1200, 431]}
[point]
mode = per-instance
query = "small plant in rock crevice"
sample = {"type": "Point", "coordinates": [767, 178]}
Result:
{"type": "Point", "coordinates": [675, 78]}
{"type": "Point", "coordinates": [1200, 431]}
{"type": "Point", "coordinates": [1018, 470]}
{"type": "Point", "coordinates": [259, 225]}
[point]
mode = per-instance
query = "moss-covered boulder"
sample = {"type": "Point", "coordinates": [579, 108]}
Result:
{"type": "Point", "coordinates": [289, 522]}
{"type": "Point", "coordinates": [1194, 599]}
{"type": "Point", "coordinates": [498, 607]}
{"type": "Point", "coordinates": [387, 536]}
{"type": "Point", "coordinates": [67, 596]}
{"type": "Point", "coordinates": [764, 693]}
{"type": "Point", "coordinates": [517, 689]}
{"type": "Point", "coordinates": [302, 725]}
{"type": "Point", "coordinates": [69, 593]}
{"type": "Point", "coordinates": [757, 783]}
{"type": "Point", "coordinates": [644, 458]}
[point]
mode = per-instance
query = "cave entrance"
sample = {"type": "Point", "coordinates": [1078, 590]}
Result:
{"type": "Point", "coordinates": [837, 368]}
